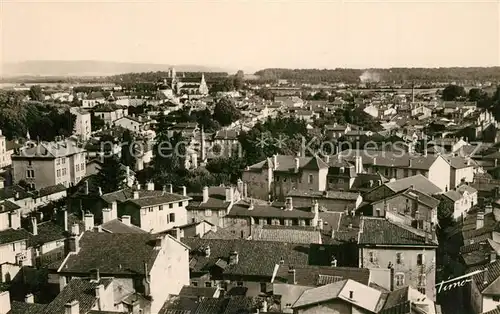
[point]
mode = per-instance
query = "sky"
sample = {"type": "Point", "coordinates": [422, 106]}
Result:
{"type": "Point", "coordinates": [255, 34]}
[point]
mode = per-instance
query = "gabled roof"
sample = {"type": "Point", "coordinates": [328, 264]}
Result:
{"type": "Point", "coordinates": [336, 195]}
{"type": "Point", "coordinates": [291, 234]}
{"type": "Point", "coordinates": [414, 194]}
{"type": "Point", "coordinates": [116, 226]}
{"type": "Point", "coordinates": [50, 150]}
{"type": "Point", "coordinates": [490, 285]}
{"type": "Point", "coordinates": [17, 307]}
{"type": "Point", "coordinates": [363, 296]}
{"type": "Point", "coordinates": [379, 231]}
{"type": "Point", "coordinates": [13, 235]}
{"type": "Point", "coordinates": [308, 275]}
{"type": "Point", "coordinates": [124, 253]}
{"type": "Point", "coordinates": [82, 290]}
{"type": "Point", "coordinates": [286, 163]}
{"type": "Point", "coordinates": [419, 182]}
{"type": "Point", "coordinates": [255, 258]}
{"type": "Point", "coordinates": [241, 209]}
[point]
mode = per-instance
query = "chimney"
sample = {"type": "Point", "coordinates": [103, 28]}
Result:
{"type": "Point", "coordinates": [205, 194]}
{"type": "Point", "coordinates": [275, 162]}
{"type": "Point", "coordinates": [126, 220]}
{"type": "Point", "coordinates": [106, 215]}
{"type": "Point", "coordinates": [333, 261]}
{"type": "Point", "coordinates": [4, 302]}
{"type": "Point", "coordinates": [480, 220]}
{"type": "Point", "coordinates": [291, 276]}
{"type": "Point", "coordinates": [297, 164]}
{"type": "Point", "coordinates": [75, 229]}
{"type": "Point", "coordinates": [29, 298]}
{"type": "Point", "coordinates": [136, 195]}
{"type": "Point", "coordinates": [114, 210]}
{"type": "Point", "coordinates": [150, 186]}
{"type": "Point", "coordinates": [127, 172]}
{"type": "Point", "coordinates": [327, 159]}
{"type": "Point", "coordinates": [496, 162]}
{"type": "Point", "coordinates": [89, 222]}
{"type": "Point", "coordinates": [95, 275]}
{"type": "Point", "coordinates": [245, 190]}
{"type": "Point", "coordinates": [374, 161]}
{"type": "Point", "coordinates": [485, 276]}
{"type": "Point", "coordinates": [488, 208]}
{"type": "Point", "coordinates": [72, 307]}
{"type": "Point", "coordinates": [170, 188]}
{"type": "Point", "coordinates": [34, 226]}
{"type": "Point", "coordinates": [320, 224]}
{"type": "Point", "coordinates": [264, 306]}
{"type": "Point", "coordinates": [99, 294]}
{"type": "Point", "coordinates": [493, 256]}
{"type": "Point", "coordinates": [251, 206]}
{"type": "Point", "coordinates": [229, 194]}
{"type": "Point", "coordinates": [99, 189]}
{"type": "Point", "coordinates": [233, 258]}
{"type": "Point", "coordinates": [65, 220]}
{"type": "Point", "coordinates": [315, 207]}
{"type": "Point", "coordinates": [207, 251]}
{"type": "Point", "coordinates": [86, 187]}
{"type": "Point", "coordinates": [289, 203]}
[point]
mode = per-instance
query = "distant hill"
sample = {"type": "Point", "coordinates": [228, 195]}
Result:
{"type": "Point", "coordinates": [92, 68]}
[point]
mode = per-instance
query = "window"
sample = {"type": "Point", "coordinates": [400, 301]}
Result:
{"type": "Point", "coordinates": [82, 167]}
{"type": "Point", "coordinates": [161, 207]}
{"type": "Point", "coordinates": [420, 259]}
{"type": "Point", "coordinates": [310, 179]}
{"type": "Point", "coordinates": [171, 217]}
{"type": "Point", "coordinates": [399, 258]}
{"type": "Point", "coordinates": [194, 284]}
{"type": "Point", "coordinates": [263, 287]}
{"type": "Point", "coordinates": [400, 279]}
{"type": "Point", "coordinates": [58, 173]}
{"type": "Point", "coordinates": [171, 205]}
{"type": "Point", "coordinates": [422, 280]}
{"type": "Point", "coordinates": [64, 171]}
{"type": "Point", "coordinates": [13, 247]}
{"type": "Point", "coordinates": [30, 173]}
{"type": "Point", "coordinates": [29, 163]}
{"type": "Point", "coordinates": [221, 213]}
{"type": "Point", "coordinates": [150, 209]}
{"type": "Point", "coordinates": [208, 212]}
{"type": "Point", "coordinates": [341, 181]}
{"type": "Point", "coordinates": [372, 257]}
{"type": "Point", "coordinates": [63, 161]}
{"type": "Point", "coordinates": [208, 284]}
{"type": "Point", "coordinates": [58, 161]}
{"type": "Point", "coordinates": [239, 283]}
{"type": "Point", "coordinates": [77, 167]}
{"type": "Point", "coordinates": [414, 172]}
{"type": "Point", "coordinates": [422, 290]}
{"type": "Point", "coordinates": [180, 204]}
{"type": "Point", "coordinates": [496, 298]}
{"type": "Point", "coordinates": [342, 169]}
{"type": "Point", "coordinates": [386, 171]}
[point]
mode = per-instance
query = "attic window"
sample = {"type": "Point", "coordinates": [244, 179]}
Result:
{"type": "Point", "coordinates": [342, 169]}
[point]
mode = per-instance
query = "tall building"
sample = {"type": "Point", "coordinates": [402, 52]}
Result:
{"type": "Point", "coordinates": [47, 164]}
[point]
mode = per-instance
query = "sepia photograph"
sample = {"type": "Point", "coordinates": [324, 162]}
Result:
{"type": "Point", "coordinates": [249, 157]}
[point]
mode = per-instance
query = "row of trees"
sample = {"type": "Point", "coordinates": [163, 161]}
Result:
{"type": "Point", "coordinates": [42, 121]}
{"type": "Point", "coordinates": [401, 75]}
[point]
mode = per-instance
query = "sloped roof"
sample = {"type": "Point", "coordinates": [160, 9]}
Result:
{"type": "Point", "coordinates": [419, 182]}
{"type": "Point", "coordinates": [291, 234]}
{"type": "Point", "coordinates": [116, 226]}
{"type": "Point", "coordinates": [241, 209]}
{"type": "Point", "coordinates": [309, 275]}
{"type": "Point", "coordinates": [50, 150]}
{"type": "Point", "coordinates": [379, 231]}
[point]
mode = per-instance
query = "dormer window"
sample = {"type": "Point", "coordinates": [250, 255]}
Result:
{"type": "Point", "coordinates": [342, 169]}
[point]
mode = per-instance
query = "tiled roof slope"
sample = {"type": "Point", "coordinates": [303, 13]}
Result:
{"type": "Point", "coordinates": [286, 234]}
{"type": "Point", "coordinates": [491, 275]}
{"type": "Point", "coordinates": [380, 231]}
{"type": "Point", "coordinates": [112, 253]}
{"type": "Point", "coordinates": [78, 289]}
{"type": "Point", "coordinates": [17, 307]}
{"type": "Point", "coordinates": [308, 275]}
{"type": "Point", "coordinates": [256, 258]}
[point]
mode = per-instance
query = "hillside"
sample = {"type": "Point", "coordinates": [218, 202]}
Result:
{"type": "Point", "coordinates": [91, 68]}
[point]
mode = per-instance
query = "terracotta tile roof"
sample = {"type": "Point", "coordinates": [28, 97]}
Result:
{"type": "Point", "coordinates": [14, 235]}
{"type": "Point", "coordinates": [50, 150]}
{"type": "Point", "coordinates": [48, 231]}
{"type": "Point", "coordinates": [419, 182]}
{"type": "Point", "coordinates": [476, 254]}
{"type": "Point", "coordinates": [240, 209]}
{"type": "Point", "coordinates": [221, 233]}
{"type": "Point", "coordinates": [216, 199]}
{"type": "Point", "coordinates": [190, 291]}
{"type": "Point", "coordinates": [494, 311]}
{"type": "Point", "coordinates": [124, 253]}
{"type": "Point", "coordinates": [82, 290]}
{"type": "Point", "coordinates": [379, 231]}
{"type": "Point", "coordinates": [146, 197]}
{"type": "Point", "coordinates": [116, 226]}
{"type": "Point", "coordinates": [255, 258]}
{"type": "Point", "coordinates": [17, 307]}
{"type": "Point", "coordinates": [469, 230]}
{"type": "Point", "coordinates": [290, 234]}
{"type": "Point", "coordinates": [308, 275]}
{"type": "Point", "coordinates": [7, 206]}
{"type": "Point", "coordinates": [337, 195]}
{"type": "Point", "coordinates": [286, 163]}
{"type": "Point", "coordinates": [49, 190]}
{"type": "Point", "coordinates": [11, 192]}
{"type": "Point", "coordinates": [491, 275]}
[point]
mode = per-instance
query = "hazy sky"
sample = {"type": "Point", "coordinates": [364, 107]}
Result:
{"type": "Point", "coordinates": [255, 34]}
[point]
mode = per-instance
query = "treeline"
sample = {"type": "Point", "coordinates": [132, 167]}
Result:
{"type": "Point", "coordinates": [159, 75]}
{"type": "Point", "coordinates": [42, 121]}
{"type": "Point", "coordinates": [398, 75]}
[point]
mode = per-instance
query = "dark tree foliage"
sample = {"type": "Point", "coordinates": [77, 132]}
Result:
{"type": "Point", "coordinates": [398, 75]}
{"type": "Point", "coordinates": [153, 77]}
{"type": "Point", "coordinates": [231, 167]}
{"type": "Point", "coordinates": [86, 89]}
{"type": "Point", "coordinates": [111, 175]}
{"type": "Point", "coordinates": [453, 92]}
{"type": "Point", "coordinates": [97, 123]}
{"type": "Point", "coordinates": [36, 93]}
{"type": "Point", "coordinates": [265, 93]}
{"type": "Point", "coordinates": [128, 157]}
{"type": "Point", "coordinates": [225, 112]}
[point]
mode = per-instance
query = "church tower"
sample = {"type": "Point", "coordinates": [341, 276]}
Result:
{"type": "Point", "coordinates": [203, 90]}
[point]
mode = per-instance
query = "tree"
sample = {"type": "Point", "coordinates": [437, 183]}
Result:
{"type": "Point", "coordinates": [97, 123]}
{"type": "Point", "coordinates": [453, 92]}
{"type": "Point", "coordinates": [239, 80]}
{"type": "Point", "coordinates": [128, 141]}
{"type": "Point", "coordinates": [36, 93]}
{"type": "Point", "coordinates": [225, 112]}
{"type": "Point", "coordinates": [476, 94]}
{"type": "Point", "coordinates": [111, 175]}
{"type": "Point", "coordinates": [265, 93]}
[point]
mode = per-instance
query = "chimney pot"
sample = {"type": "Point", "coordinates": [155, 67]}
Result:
{"type": "Point", "coordinates": [136, 195]}
{"type": "Point", "coordinates": [89, 222]}
{"type": "Point", "coordinates": [229, 194]}
{"type": "Point", "coordinates": [34, 225]}
{"type": "Point", "coordinates": [292, 278]}
{"type": "Point", "coordinates": [205, 194]}
{"type": "Point", "coordinates": [233, 258]}
{"type": "Point", "coordinates": [29, 298]}
{"type": "Point", "coordinates": [126, 220]}
{"type": "Point", "coordinates": [72, 307]}
{"type": "Point", "coordinates": [289, 203]}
